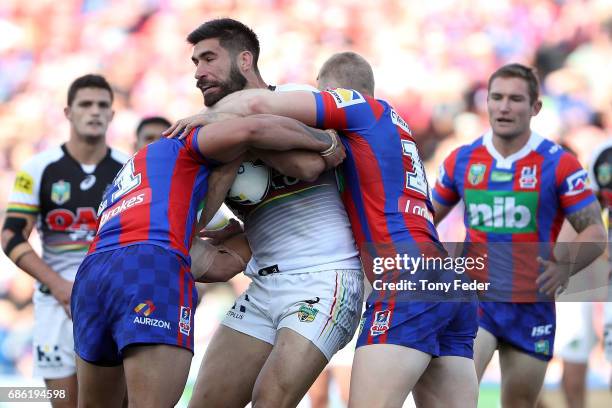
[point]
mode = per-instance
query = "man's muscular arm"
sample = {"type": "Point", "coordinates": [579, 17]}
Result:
{"type": "Point", "coordinates": [574, 256]}
{"type": "Point", "coordinates": [591, 240]}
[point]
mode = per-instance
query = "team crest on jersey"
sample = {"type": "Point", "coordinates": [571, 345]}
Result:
{"type": "Point", "coordinates": [307, 313]}
{"type": "Point", "coordinates": [381, 322]}
{"type": "Point", "coordinates": [528, 176]}
{"type": "Point", "coordinates": [185, 320]}
{"type": "Point", "coordinates": [60, 192]}
{"type": "Point", "coordinates": [476, 173]}
{"type": "Point", "coordinates": [604, 173]}
{"type": "Point", "coordinates": [346, 97]}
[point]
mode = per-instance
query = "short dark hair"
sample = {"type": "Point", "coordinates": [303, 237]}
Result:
{"type": "Point", "coordinates": [158, 120]}
{"type": "Point", "coordinates": [88, 81]}
{"type": "Point", "coordinates": [350, 70]}
{"type": "Point", "coordinates": [233, 36]}
{"type": "Point", "coordinates": [523, 72]}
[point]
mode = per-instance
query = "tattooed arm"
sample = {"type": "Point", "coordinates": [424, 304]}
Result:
{"type": "Point", "coordinates": [591, 240]}
{"type": "Point", "coordinates": [574, 256]}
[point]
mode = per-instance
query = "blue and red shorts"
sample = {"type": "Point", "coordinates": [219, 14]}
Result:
{"type": "Point", "coordinates": [138, 294]}
{"type": "Point", "coordinates": [528, 327]}
{"type": "Point", "coordinates": [436, 328]}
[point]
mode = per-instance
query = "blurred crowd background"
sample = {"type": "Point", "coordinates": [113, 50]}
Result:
{"type": "Point", "coordinates": [431, 61]}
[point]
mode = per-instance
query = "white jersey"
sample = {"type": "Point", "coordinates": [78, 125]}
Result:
{"type": "Point", "coordinates": [64, 195]}
{"type": "Point", "coordinates": [300, 226]}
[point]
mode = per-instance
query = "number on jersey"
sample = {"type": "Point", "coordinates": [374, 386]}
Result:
{"type": "Point", "coordinates": [415, 176]}
{"type": "Point", "coordinates": [126, 180]}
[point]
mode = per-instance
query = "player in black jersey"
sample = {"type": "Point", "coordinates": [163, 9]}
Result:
{"type": "Point", "coordinates": [60, 190]}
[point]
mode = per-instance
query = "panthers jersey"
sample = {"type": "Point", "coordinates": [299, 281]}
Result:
{"type": "Point", "coordinates": [64, 195]}
{"type": "Point", "coordinates": [299, 226]}
{"type": "Point", "coordinates": [519, 200]}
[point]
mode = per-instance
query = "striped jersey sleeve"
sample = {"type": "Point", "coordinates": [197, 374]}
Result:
{"type": "Point", "coordinates": [25, 195]}
{"type": "Point", "coordinates": [572, 184]}
{"type": "Point", "coordinates": [346, 109]}
{"type": "Point", "coordinates": [446, 192]}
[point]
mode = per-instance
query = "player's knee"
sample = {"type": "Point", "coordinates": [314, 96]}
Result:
{"type": "Point", "coordinates": [524, 397]}
{"type": "Point", "coordinates": [573, 384]}
{"type": "Point", "coordinates": [274, 394]}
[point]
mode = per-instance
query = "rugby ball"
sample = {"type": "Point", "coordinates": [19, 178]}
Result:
{"type": "Point", "coordinates": [251, 184]}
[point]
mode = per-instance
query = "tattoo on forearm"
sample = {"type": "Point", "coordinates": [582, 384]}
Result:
{"type": "Point", "coordinates": [318, 134]}
{"type": "Point", "coordinates": [590, 215]}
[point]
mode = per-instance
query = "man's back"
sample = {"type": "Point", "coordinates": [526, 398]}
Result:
{"type": "Point", "coordinates": [155, 198]}
{"type": "Point", "coordinates": [386, 193]}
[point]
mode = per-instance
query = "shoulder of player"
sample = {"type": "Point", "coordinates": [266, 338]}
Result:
{"type": "Point", "coordinates": [36, 165]}
{"type": "Point", "coordinates": [118, 155]}
{"type": "Point", "coordinates": [294, 87]}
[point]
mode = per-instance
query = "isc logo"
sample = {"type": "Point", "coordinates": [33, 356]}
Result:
{"type": "Point", "coordinates": [538, 331]}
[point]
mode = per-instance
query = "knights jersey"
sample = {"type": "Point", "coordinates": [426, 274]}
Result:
{"type": "Point", "coordinates": [64, 195]}
{"type": "Point", "coordinates": [156, 197]}
{"type": "Point", "coordinates": [522, 198]}
{"type": "Point", "coordinates": [386, 194]}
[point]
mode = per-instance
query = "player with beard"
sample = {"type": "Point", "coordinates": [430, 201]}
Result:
{"type": "Point", "coordinates": [60, 190]}
{"type": "Point", "coordinates": [304, 302]}
{"type": "Point", "coordinates": [386, 195]}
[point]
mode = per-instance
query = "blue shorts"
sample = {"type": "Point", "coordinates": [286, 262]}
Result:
{"type": "Point", "coordinates": [528, 327]}
{"type": "Point", "coordinates": [139, 294]}
{"type": "Point", "coordinates": [436, 328]}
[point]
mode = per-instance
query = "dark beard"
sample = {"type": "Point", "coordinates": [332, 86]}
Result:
{"type": "Point", "coordinates": [235, 82]}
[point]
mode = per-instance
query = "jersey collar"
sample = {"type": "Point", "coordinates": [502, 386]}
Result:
{"type": "Point", "coordinates": [506, 162]}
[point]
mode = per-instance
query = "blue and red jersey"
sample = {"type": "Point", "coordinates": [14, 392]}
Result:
{"type": "Point", "coordinates": [386, 193]}
{"type": "Point", "coordinates": [155, 198]}
{"type": "Point", "coordinates": [519, 199]}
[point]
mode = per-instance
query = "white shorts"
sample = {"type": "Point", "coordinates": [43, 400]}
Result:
{"type": "Point", "coordinates": [324, 307]}
{"type": "Point", "coordinates": [575, 336]}
{"type": "Point", "coordinates": [344, 356]}
{"type": "Point", "coordinates": [53, 342]}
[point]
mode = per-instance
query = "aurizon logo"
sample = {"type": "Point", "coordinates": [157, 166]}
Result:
{"type": "Point", "coordinates": [502, 211]}
{"type": "Point", "coordinates": [145, 308]}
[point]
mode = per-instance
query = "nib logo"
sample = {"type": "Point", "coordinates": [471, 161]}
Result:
{"type": "Point", "coordinates": [145, 308]}
{"type": "Point", "coordinates": [502, 212]}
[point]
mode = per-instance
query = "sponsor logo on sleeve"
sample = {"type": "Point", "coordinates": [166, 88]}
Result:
{"type": "Point", "coordinates": [346, 97]}
{"type": "Point", "coordinates": [24, 183]}
{"type": "Point", "coordinates": [577, 183]}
